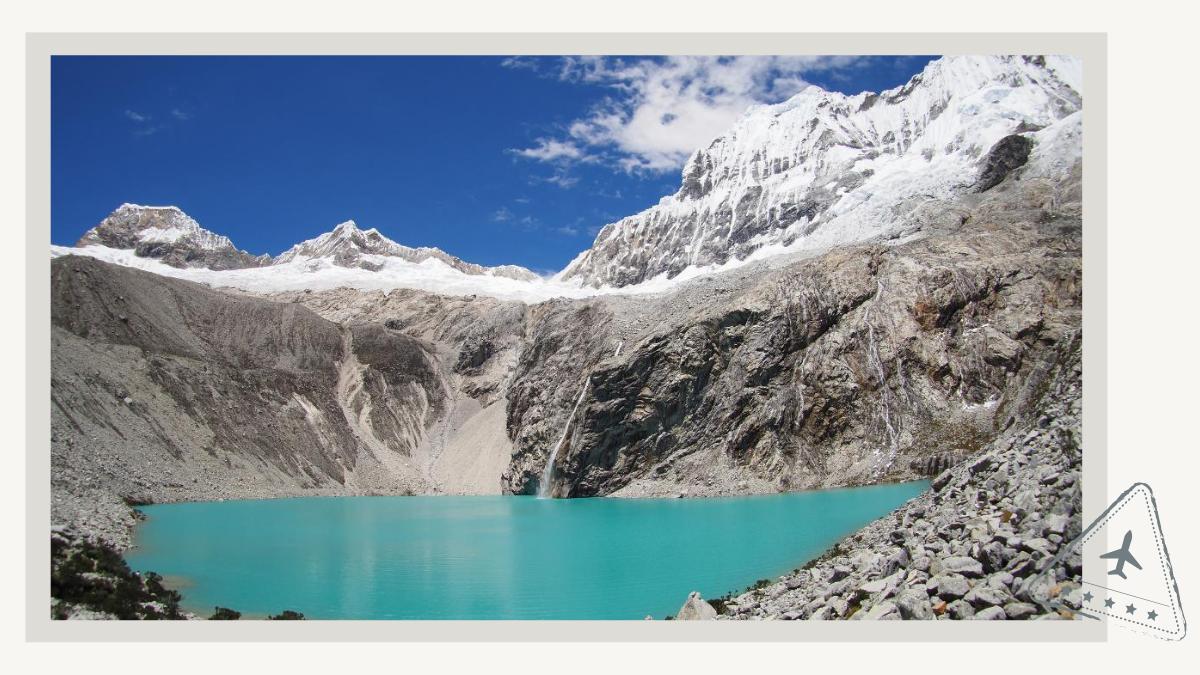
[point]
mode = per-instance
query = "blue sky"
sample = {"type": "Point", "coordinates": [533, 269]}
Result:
{"type": "Point", "coordinates": [493, 159]}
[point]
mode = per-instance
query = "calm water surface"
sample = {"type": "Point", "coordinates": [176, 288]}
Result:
{"type": "Point", "coordinates": [491, 557]}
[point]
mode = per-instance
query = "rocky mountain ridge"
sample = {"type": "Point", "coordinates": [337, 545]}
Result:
{"type": "Point", "coordinates": [167, 234]}
{"type": "Point", "coordinates": [349, 246]}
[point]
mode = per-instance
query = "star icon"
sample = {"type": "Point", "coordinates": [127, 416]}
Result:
{"type": "Point", "coordinates": [1130, 609]}
{"type": "Point", "coordinates": [1108, 602]}
{"type": "Point", "coordinates": [1087, 597]}
{"type": "Point", "coordinates": [1152, 615]}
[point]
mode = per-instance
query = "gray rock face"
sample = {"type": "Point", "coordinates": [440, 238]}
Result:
{"type": "Point", "coordinates": [165, 390]}
{"type": "Point", "coordinates": [168, 234]}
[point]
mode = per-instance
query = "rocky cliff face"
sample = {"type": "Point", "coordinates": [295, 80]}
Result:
{"type": "Point", "coordinates": [824, 169]}
{"type": "Point", "coordinates": [863, 364]}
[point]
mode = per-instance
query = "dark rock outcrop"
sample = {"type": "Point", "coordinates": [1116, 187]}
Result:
{"type": "Point", "coordinates": [1007, 155]}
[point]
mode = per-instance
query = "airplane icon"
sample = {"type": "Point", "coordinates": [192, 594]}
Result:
{"type": "Point", "coordinates": [1122, 556]}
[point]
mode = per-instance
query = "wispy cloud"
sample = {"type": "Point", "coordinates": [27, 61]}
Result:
{"type": "Point", "coordinates": [549, 150]}
{"type": "Point", "coordinates": [660, 110]}
{"type": "Point", "coordinates": [521, 62]}
{"type": "Point", "coordinates": [146, 124]}
{"type": "Point", "coordinates": [502, 215]}
{"type": "Point", "coordinates": [562, 178]}
{"type": "Point", "coordinates": [568, 230]}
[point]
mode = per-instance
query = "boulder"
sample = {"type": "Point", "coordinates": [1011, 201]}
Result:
{"type": "Point", "coordinates": [914, 604]}
{"type": "Point", "coordinates": [1019, 610]}
{"type": "Point", "coordinates": [884, 611]}
{"type": "Point", "coordinates": [962, 565]}
{"type": "Point", "coordinates": [949, 586]}
{"type": "Point", "coordinates": [696, 609]}
{"type": "Point", "coordinates": [990, 614]}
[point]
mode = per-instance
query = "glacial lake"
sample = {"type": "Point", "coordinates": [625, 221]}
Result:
{"type": "Point", "coordinates": [490, 557]}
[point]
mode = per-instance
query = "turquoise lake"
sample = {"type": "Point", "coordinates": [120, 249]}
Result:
{"type": "Point", "coordinates": [491, 557]}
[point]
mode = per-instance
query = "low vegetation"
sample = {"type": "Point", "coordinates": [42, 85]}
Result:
{"type": "Point", "coordinates": [92, 576]}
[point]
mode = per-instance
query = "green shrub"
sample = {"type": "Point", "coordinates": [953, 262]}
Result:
{"type": "Point", "coordinates": [225, 614]}
{"type": "Point", "coordinates": [93, 575]}
{"type": "Point", "coordinates": [287, 615]}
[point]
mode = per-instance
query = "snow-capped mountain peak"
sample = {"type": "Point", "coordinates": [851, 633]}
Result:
{"type": "Point", "coordinates": [165, 224]}
{"type": "Point", "coordinates": [169, 234]}
{"type": "Point", "coordinates": [824, 168]}
{"type": "Point", "coordinates": [153, 236]}
{"type": "Point", "coordinates": [346, 245]}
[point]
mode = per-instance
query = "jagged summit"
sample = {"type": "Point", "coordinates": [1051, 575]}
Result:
{"type": "Point", "coordinates": [170, 235]}
{"type": "Point", "coordinates": [346, 245]}
{"type": "Point", "coordinates": [824, 168]}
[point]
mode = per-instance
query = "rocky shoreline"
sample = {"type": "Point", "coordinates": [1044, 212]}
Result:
{"type": "Point", "coordinates": [973, 547]}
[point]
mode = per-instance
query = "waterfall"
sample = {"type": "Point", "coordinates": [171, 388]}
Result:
{"type": "Point", "coordinates": [548, 472]}
{"type": "Point", "coordinates": [876, 363]}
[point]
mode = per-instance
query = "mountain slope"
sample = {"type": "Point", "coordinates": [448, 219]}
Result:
{"type": "Point", "coordinates": [825, 169]}
{"type": "Point", "coordinates": [164, 390]}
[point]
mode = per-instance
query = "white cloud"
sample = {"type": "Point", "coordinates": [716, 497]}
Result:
{"type": "Point", "coordinates": [137, 116]}
{"type": "Point", "coordinates": [560, 178]}
{"type": "Point", "coordinates": [568, 230]}
{"type": "Point", "coordinates": [660, 110]}
{"type": "Point", "coordinates": [549, 150]}
{"type": "Point", "coordinates": [180, 115]}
